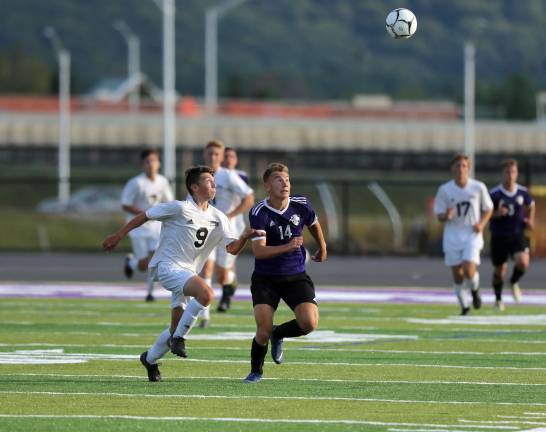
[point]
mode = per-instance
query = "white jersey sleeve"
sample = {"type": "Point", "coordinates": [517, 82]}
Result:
{"type": "Point", "coordinates": [167, 192]}
{"type": "Point", "coordinates": [441, 201]}
{"type": "Point", "coordinates": [229, 231]}
{"type": "Point", "coordinates": [486, 201]}
{"type": "Point", "coordinates": [130, 192]}
{"type": "Point", "coordinates": [238, 185]}
{"type": "Point", "coordinates": [164, 211]}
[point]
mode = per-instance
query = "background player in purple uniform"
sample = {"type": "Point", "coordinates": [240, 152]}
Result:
{"type": "Point", "coordinates": [514, 212]}
{"type": "Point", "coordinates": [279, 270]}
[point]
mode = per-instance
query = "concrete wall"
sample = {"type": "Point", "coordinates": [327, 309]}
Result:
{"type": "Point", "coordinates": [124, 130]}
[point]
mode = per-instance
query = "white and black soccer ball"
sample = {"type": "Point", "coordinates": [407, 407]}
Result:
{"type": "Point", "coordinates": [401, 23]}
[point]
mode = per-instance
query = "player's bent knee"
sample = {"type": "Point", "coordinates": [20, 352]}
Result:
{"type": "Point", "coordinates": [308, 325]}
{"type": "Point", "coordinates": [206, 297]}
{"type": "Point", "coordinates": [263, 334]}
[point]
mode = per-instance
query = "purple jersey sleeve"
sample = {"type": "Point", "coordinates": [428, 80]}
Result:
{"type": "Point", "coordinates": [527, 198]}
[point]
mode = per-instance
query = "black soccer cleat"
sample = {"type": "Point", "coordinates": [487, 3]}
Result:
{"type": "Point", "coordinates": [276, 348]}
{"type": "Point", "coordinates": [225, 303]}
{"type": "Point", "coordinates": [476, 299]}
{"type": "Point", "coordinates": [153, 369]}
{"type": "Point", "coordinates": [178, 346]}
{"type": "Point", "coordinates": [149, 298]}
{"type": "Point", "coordinates": [465, 311]}
{"type": "Point", "coordinates": [127, 270]}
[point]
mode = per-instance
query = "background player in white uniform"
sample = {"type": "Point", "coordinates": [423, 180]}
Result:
{"type": "Point", "coordinates": [191, 229]}
{"type": "Point", "coordinates": [139, 194]}
{"type": "Point", "coordinates": [234, 197]}
{"type": "Point", "coordinates": [465, 207]}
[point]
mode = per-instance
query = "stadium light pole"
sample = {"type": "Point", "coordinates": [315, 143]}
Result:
{"type": "Point", "coordinates": [169, 94]}
{"type": "Point", "coordinates": [212, 15]}
{"type": "Point", "coordinates": [63, 59]}
{"type": "Point", "coordinates": [469, 102]}
{"type": "Point", "coordinates": [133, 61]}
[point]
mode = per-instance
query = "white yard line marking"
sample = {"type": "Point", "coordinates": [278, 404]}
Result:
{"type": "Point", "coordinates": [57, 355]}
{"type": "Point", "coordinates": [303, 398]}
{"type": "Point", "coordinates": [503, 422]}
{"type": "Point", "coordinates": [181, 377]}
{"type": "Point", "coordinates": [244, 420]}
{"type": "Point", "coordinates": [212, 348]}
{"type": "Point", "coordinates": [502, 320]}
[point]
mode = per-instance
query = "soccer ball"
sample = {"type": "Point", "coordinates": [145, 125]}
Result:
{"type": "Point", "coordinates": [401, 23]}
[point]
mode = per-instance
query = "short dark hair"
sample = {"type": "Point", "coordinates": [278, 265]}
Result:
{"type": "Point", "coordinates": [193, 175]}
{"type": "Point", "coordinates": [230, 149]}
{"type": "Point", "coordinates": [147, 152]}
{"type": "Point", "coordinates": [458, 157]}
{"type": "Point", "coordinates": [274, 167]}
{"type": "Point", "coordinates": [509, 163]}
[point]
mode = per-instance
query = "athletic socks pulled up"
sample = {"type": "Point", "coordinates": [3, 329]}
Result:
{"type": "Point", "coordinates": [257, 356]}
{"type": "Point", "coordinates": [517, 273]}
{"type": "Point", "coordinates": [159, 348]}
{"type": "Point", "coordinates": [473, 284]}
{"type": "Point", "coordinates": [189, 317]}
{"type": "Point", "coordinates": [460, 292]}
{"type": "Point", "coordinates": [289, 329]}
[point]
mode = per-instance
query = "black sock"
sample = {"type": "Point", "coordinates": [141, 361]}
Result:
{"type": "Point", "coordinates": [288, 329]}
{"type": "Point", "coordinates": [257, 356]}
{"type": "Point", "coordinates": [497, 287]}
{"type": "Point", "coordinates": [228, 290]}
{"type": "Point", "coordinates": [516, 275]}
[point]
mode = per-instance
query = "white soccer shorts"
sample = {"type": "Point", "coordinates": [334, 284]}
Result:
{"type": "Point", "coordinates": [471, 253]}
{"type": "Point", "coordinates": [222, 257]}
{"type": "Point", "coordinates": [174, 278]}
{"type": "Point", "coordinates": [143, 246]}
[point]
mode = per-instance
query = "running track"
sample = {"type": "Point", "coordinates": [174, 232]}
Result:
{"type": "Point", "coordinates": [351, 279]}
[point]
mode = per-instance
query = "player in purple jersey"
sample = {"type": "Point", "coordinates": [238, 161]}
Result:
{"type": "Point", "coordinates": [514, 212]}
{"type": "Point", "coordinates": [279, 270]}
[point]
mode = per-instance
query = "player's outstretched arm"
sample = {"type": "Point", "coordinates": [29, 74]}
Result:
{"type": "Point", "coordinates": [262, 251]}
{"type": "Point", "coordinates": [316, 231]}
{"type": "Point", "coordinates": [237, 246]}
{"type": "Point", "coordinates": [245, 205]}
{"type": "Point", "coordinates": [112, 240]}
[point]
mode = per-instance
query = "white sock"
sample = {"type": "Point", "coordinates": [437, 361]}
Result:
{"type": "Point", "coordinates": [474, 283]}
{"type": "Point", "coordinates": [230, 277]}
{"type": "Point", "coordinates": [151, 283]}
{"type": "Point", "coordinates": [460, 292]}
{"type": "Point", "coordinates": [133, 263]}
{"type": "Point", "coordinates": [189, 317]}
{"type": "Point", "coordinates": [205, 313]}
{"type": "Point", "coordinates": [159, 348]}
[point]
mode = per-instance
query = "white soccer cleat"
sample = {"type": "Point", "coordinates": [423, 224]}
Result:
{"type": "Point", "coordinates": [499, 305]}
{"type": "Point", "coordinates": [516, 292]}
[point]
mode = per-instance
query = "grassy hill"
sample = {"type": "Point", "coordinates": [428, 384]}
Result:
{"type": "Point", "coordinates": [286, 48]}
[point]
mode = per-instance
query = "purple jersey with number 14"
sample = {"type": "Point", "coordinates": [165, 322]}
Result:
{"type": "Point", "coordinates": [280, 227]}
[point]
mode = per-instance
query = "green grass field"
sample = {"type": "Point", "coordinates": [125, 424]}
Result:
{"type": "Point", "coordinates": [375, 367]}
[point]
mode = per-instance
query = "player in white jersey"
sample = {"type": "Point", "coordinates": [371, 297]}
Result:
{"type": "Point", "coordinates": [234, 197]}
{"type": "Point", "coordinates": [464, 205]}
{"type": "Point", "coordinates": [191, 229]}
{"type": "Point", "coordinates": [139, 194]}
